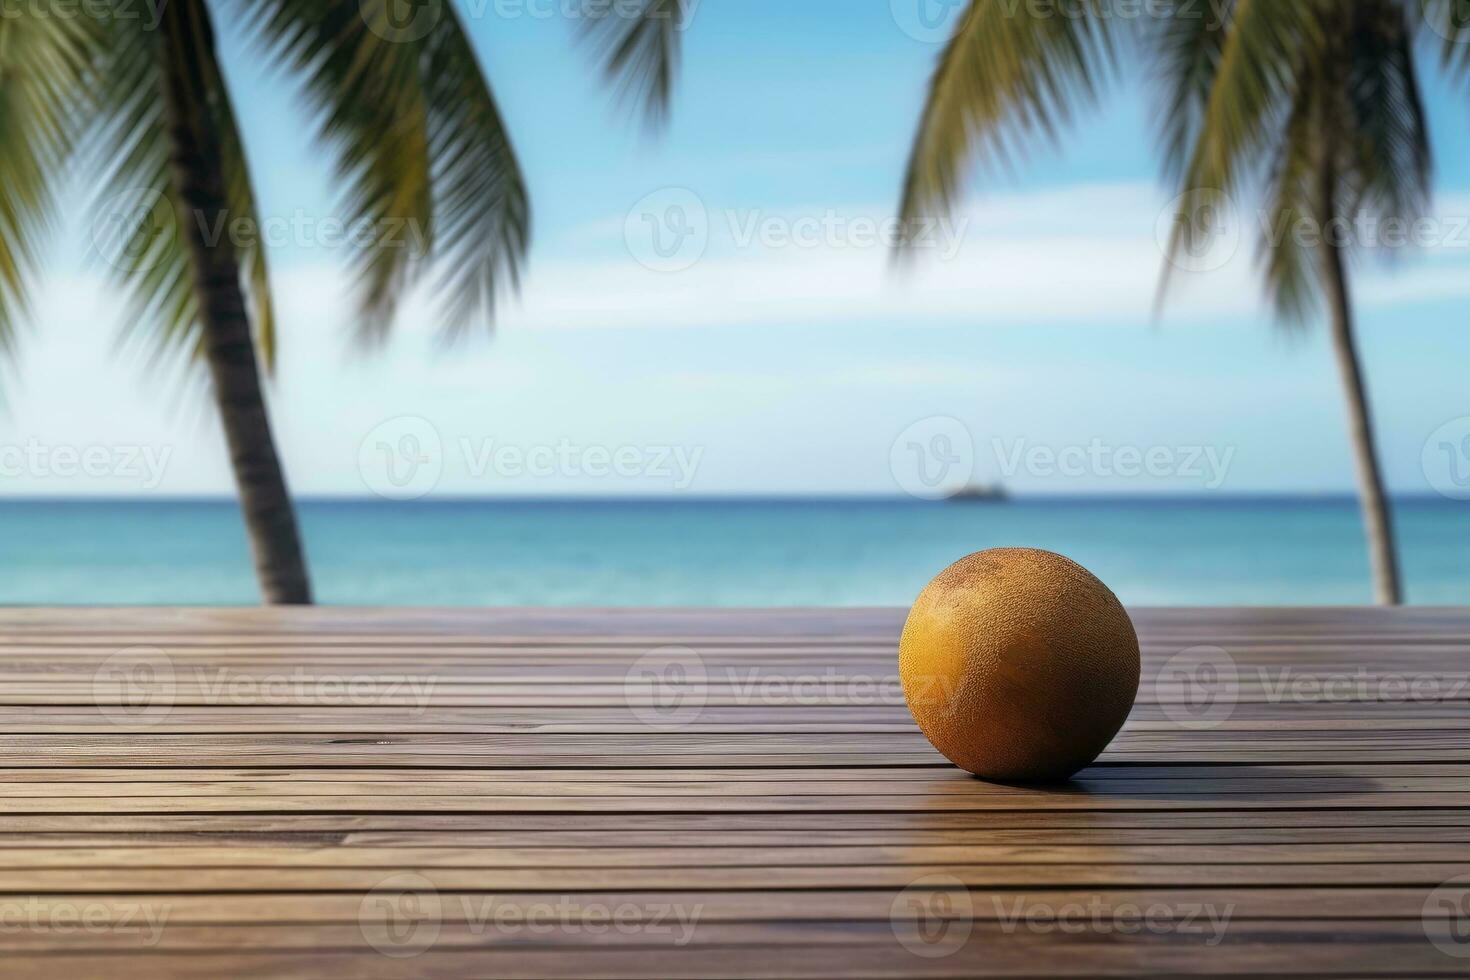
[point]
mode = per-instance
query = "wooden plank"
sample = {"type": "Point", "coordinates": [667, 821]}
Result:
{"type": "Point", "coordinates": [554, 784]}
{"type": "Point", "coordinates": [873, 936]}
{"type": "Point", "coordinates": [1418, 823]}
{"type": "Point", "coordinates": [475, 855]}
{"type": "Point", "coordinates": [556, 879]}
{"type": "Point", "coordinates": [738, 842]}
{"type": "Point", "coordinates": [1102, 775]}
{"type": "Point", "coordinates": [986, 953]}
{"type": "Point", "coordinates": [1263, 905]}
{"type": "Point", "coordinates": [695, 804]}
{"type": "Point", "coordinates": [697, 749]}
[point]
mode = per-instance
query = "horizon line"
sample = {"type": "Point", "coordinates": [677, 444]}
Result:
{"type": "Point", "coordinates": [816, 497]}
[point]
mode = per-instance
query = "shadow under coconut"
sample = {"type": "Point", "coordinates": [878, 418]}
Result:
{"type": "Point", "coordinates": [1320, 786]}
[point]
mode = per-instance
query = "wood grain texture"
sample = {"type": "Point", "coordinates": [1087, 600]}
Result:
{"type": "Point", "coordinates": [734, 793]}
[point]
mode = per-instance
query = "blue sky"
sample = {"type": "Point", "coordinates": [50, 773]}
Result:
{"type": "Point", "coordinates": [785, 368]}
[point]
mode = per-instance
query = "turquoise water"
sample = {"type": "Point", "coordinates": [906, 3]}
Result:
{"type": "Point", "coordinates": [749, 553]}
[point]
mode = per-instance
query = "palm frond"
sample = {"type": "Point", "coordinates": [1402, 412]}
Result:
{"type": "Point", "coordinates": [139, 222]}
{"type": "Point", "coordinates": [482, 212]}
{"type": "Point", "coordinates": [1252, 86]}
{"type": "Point", "coordinates": [1325, 93]}
{"type": "Point", "coordinates": [419, 144]}
{"type": "Point", "coordinates": [364, 86]}
{"type": "Point", "coordinates": [1007, 76]}
{"type": "Point", "coordinates": [1293, 204]}
{"type": "Point", "coordinates": [1250, 99]}
{"type": "Point", "coordinates": [1186, 42]}
{"type": "Point", "coordinates": [639, 46]}
{"type": "Point", "coordinates": [1384, 111]}
{"type": "Point", "coordinates": [44, 61]}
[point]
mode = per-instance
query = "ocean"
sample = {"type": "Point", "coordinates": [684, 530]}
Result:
{"type": "Point", "coordinates": [721, 553]}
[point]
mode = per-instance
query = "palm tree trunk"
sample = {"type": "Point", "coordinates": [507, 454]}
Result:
{"type": "Point", "coordinates": [185, 36]}
{"type": "Point", "coordinates": [1377, 519]}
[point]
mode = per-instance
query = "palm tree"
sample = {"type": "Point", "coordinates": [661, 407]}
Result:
{"type": "Point", "coordinates": [414, 133]}
{"type": "Point", "coordinates": [1313, 105]}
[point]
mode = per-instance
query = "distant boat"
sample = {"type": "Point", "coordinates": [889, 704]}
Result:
{"type": "Point", "coordinates": [987, 493]}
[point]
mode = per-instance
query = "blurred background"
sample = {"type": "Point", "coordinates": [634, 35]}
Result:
{"type": "Point", "coordinates": [716, 387]}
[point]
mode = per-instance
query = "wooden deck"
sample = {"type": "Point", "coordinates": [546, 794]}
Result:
{"type": "Point", "coordinates": [392, 793]}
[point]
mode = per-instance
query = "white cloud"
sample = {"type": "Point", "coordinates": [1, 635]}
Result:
{"type": "Point", "coordinates": [1079, 253]}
